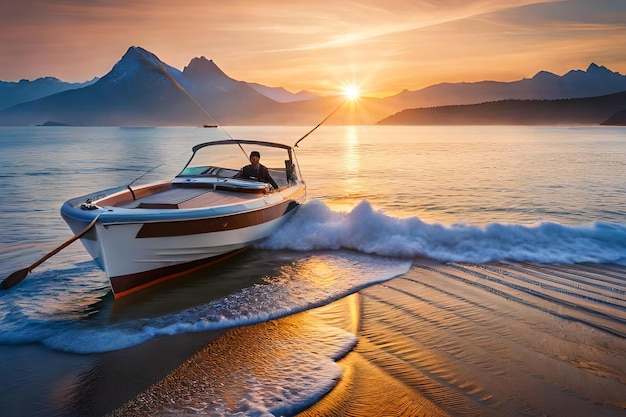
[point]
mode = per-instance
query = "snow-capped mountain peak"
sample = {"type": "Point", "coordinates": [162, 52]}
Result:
{"type": "Point", "coordinates": [135, 60]}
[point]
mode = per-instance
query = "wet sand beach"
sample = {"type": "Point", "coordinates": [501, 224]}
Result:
{"type": "Point", "coordinates": [448, 339]}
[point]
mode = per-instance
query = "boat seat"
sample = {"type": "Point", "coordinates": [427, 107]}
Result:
{"type": "Point", "coordinates": [170, 199]}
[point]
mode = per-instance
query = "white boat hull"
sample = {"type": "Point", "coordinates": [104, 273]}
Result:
{"type": "Point", "coordinates": [137, 254]}
{"type": "Point", "coordinates": [133, 263]}
{"type": "Point", "coordinates": [148, 234]}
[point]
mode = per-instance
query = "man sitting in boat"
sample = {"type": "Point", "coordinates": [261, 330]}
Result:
{"type": "Point", "coordinates": [256, 170]}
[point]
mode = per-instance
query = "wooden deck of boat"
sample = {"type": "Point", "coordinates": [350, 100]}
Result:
{"type": "Point", "coordinates": [187, 198]}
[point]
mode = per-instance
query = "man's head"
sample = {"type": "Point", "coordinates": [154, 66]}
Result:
{"type": "Point", "coordinates": [255, 156]}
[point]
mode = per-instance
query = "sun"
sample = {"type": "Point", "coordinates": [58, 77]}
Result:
{"type": "Point", "coordinates": [352, 92]}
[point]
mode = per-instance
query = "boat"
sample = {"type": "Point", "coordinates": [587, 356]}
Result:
{"type": "Point", "coordinates": [144, 235]}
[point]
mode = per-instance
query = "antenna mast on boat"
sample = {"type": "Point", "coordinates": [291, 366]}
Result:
{"type": "Point", "coordinates": [138, 178]}
{"type": "Point", "coordinates": [320, 123]}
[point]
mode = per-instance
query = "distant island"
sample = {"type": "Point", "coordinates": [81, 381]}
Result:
{"type": "Point", "coordinates": [51, 123]}
{"type": "Point", "coordinates": [605, 110]}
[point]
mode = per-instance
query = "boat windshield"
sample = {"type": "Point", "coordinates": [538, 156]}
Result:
{"type": "Point", "coordinates": [226, 158]}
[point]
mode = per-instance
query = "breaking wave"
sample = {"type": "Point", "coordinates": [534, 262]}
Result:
{"type": "Point", "coordinates": [316, 227]}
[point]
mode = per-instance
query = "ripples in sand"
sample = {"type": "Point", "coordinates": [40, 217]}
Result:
{"type": "Point", "coordinates": [444, 339]}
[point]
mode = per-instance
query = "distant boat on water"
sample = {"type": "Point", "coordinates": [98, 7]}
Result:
{"type": "Point", "coordinates": [210, 125]}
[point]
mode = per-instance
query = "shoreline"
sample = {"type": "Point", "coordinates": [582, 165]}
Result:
{"type": "Point", "coordinates": [435, 341]}
{"type": "Point", "coordinates": [442, 339]}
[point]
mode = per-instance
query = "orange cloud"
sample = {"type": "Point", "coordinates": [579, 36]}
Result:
{"type": "Point", "coordinates": [385, 47]}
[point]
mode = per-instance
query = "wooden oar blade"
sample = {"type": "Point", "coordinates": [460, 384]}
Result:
{"type": "Point", "coordinates": [17, 277]}
{"type": "Point", "coordinates": [14, 279]}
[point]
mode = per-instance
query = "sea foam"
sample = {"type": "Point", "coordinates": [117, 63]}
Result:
{"type": "Point", "coordinates": [300, 285]}
{"type": "Point", "coordinates": [316, 227]}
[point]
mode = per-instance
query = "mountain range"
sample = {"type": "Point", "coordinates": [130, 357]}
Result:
{"type": "Point", "coordinates": [12, 93]}
{"type": "Point", "coordinates": [595, 81]}
{"type": "Point", "coordinates": [606, 110]}
{"type": "Point", "coordinates": [142, 90]}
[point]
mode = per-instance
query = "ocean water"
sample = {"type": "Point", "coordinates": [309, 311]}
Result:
{"type": "Point", "coordinates": [378, 199]}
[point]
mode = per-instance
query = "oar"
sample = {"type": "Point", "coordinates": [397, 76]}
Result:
{"type": "Point", "coordinates": [17, 277]}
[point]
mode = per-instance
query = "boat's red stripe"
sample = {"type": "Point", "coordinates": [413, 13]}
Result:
{"type": "Point", "coordinates": [127, 284]}
{"type": "Point", "coordinates": [218, 224]}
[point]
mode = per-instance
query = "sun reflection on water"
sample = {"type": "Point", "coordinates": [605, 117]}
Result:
{"type": "Point", "coordinates": [352, 156]}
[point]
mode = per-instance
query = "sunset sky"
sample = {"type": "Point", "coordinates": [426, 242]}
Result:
{"type": "Point", "coordinates": [317, 45]}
